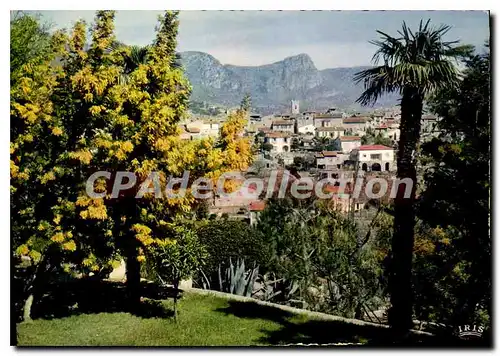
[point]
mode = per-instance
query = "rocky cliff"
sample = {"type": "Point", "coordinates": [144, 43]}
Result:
{"type": "Point", "coordinates": [272, 86]}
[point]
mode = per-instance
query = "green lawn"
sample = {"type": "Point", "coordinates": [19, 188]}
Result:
{"type": "Point", "coordinates": [202, 321]}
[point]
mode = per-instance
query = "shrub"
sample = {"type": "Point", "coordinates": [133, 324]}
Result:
{"type": "Point", "coordinates": [226, 239]}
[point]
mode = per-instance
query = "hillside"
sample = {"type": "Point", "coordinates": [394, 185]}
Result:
{"type": "Point", "coordinates": [272, 86]}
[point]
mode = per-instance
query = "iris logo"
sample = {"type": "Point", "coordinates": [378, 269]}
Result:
{"type": "Point", "coordinates": [468, 331]}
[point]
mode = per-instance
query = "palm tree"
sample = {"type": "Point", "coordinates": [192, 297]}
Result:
{"type": "Point", "coordinates": [413, 65]}
{"type": "Point", "coordinates": [137, 55]}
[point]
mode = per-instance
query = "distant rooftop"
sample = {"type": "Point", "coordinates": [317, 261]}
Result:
{"type": "Point", "coordinates": [356, 120]}
{"type": "Point", "coordinates": [374, 148]}
{"type": "Point", "coordinates": [333, 115]}
{"type": "Point", "coordinates": [283, 122]}
{"type": "Point", "coordinates": [350, 138]}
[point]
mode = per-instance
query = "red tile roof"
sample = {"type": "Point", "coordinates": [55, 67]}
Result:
{"type": "Point", "coordinates": [277, 134]}
{"type": "Point", "coordinates": [354, 120]}
{"type": "Point", "coordinates": [374, 147]}
{"type": "Point", "coordinates": [257, 205]}
{"type": "Point", "coordinates": [282, 122]}
{"type": "Point", "coordinates": [350, 138]}
{"type": "Point", "coordinates": [329, 153]}
{"type": "Point", "coordinates": [193, 129]}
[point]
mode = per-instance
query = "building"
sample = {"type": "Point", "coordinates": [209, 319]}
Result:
{"type": "Point", "coordinates": [347, 143]}
{"type": "Point", "coordinates": [329, 160]}
{"type": "Point", "coordinates": [374, 157]}
{"type": "Point", "coordinates": [333, 119]}
{"type": "Point", "coordinates": [189, 133]}
{"type": "Point", "coordinates": [356, 123]}
{"type": "Point", "coordinates": [294, 107]}
{"type": "Point", "coordinates": [330, 132]}
{"type": "Point", "coordinates": [207, 128]}
{"type": "Point", "coordinates": [255, 208]}
{"type": "Point", "coordinates": [283, 126]}
{"type": "Point", "coordinates": [304, 126]}
{"type": "Point", "coordinates": [280, 141]}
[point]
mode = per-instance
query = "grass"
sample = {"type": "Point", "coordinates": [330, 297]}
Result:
{"type": "Point", "coordinates": [201, 322]}
{"type": "Point", "coordinates": [76, 318]}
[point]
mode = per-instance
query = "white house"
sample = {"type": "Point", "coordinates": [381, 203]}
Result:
{"type": "Point", "coordinates": [330, 132]}
{"type": "Point", "coordinates": [374, 157]}
{"type": "Point", "coordinates": [189, 133]}
{"type": "Point", "coordinates": [304, 126]}
{"type": "Point", "coordinates": [206, 127]}
{"type": "Point", "coordinates": [283, 126]}
{"type": "Point", "coordinates": [329, 160]}
{"type": "Point", "coordinates": [280, 141]}
{"type": "Point", "coordinates": [347, 143]}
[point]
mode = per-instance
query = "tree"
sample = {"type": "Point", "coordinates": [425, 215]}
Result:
{"type": "Point", "coordinates": [267, 147]}
{"type": "Point", "coordinates": [316, 249]}
{"type": "Point", "coordinates": [33, 160]}
{"type": "Point", "coordinates": [177, 257]}
{"type": "Point", "coordinates": [414, 65]}
{"type": "Point", "coordinates": [459, 161]}
{"type": "Point", "coordinates": [246, 103]}
{"type": "Point", "coordinates": [90, 121]}
{"type": "Point", "coordinates": [228, 239]}
{"type": "Point", "coordinates": [29, 42]}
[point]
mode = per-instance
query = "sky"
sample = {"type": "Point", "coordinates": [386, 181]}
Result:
{"type": "Point", "coordinates": [331, 38]}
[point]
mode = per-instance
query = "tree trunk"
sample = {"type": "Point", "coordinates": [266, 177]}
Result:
{"type": "Point", "coordinates": [400, 273]}
{"type": "Point", "coordinates": [176, 294]}
{"type": "Point", "coordinates": [34, 286]}
{"type": "Point", "coordinates": [27, 308]}
{"type": "Point", "coordinates": [133, 273]}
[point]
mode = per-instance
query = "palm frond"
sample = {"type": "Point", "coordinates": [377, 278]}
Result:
{"type": "Point", "coordinates": [376, 81]}
{"type": "Point", "coordinates": [419, 59]}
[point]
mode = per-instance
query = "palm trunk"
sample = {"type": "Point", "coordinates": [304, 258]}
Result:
{"type": "Point", "coordinates": [400, 276]}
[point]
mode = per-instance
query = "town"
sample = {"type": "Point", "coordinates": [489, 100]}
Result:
{"type": "Point", "coordinates": [331, 144]}
{"type": "Point", "coordinates": [250, 178]}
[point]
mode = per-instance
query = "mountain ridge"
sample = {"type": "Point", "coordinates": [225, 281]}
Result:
{"type": "Point", "coordinates": [273, 85]}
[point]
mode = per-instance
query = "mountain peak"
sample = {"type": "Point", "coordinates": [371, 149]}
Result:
{"type": "Point", "coordinates": [301, 59]}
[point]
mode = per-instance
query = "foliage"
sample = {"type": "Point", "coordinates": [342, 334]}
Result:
{"type": "Point", "coordinates": [29, 42]}
{"type": "Point", "coordinates": [202, 108]}
{"type": "Point", "coordinates": [414, 64]}
{"type": "Point", "coordinates": [92, 120]}
{"type": "Point", "coordinates": [235, 279]}
{"type": "Point", "coordinates": [317, 248]}
{"type": "Point", "coordinates": [230, 239]}
{"type": "Point", "coordinates": [267, 147]}
{"type": "Point", "coordinates": [246, 103]}
{"type": "Point", "coordinates": [371, 138]}
{"type": "Point", "coordinates": [419, 59]}
{"type": "Point", "coordinates": [177, 257]}
{"type": "Point", "coordinates": [455, 204]}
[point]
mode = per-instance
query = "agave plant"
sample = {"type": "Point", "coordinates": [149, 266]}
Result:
{"type": "Point", "coordinates": [235, 279]}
